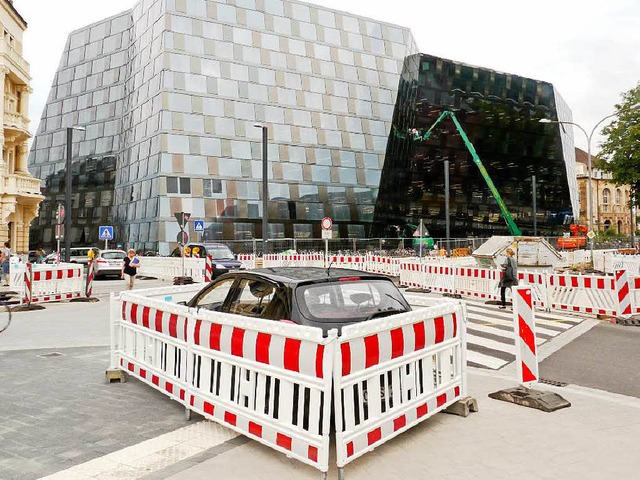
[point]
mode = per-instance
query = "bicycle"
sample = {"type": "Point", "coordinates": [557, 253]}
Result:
{"type": "Point", "coordinates": [5, 315]}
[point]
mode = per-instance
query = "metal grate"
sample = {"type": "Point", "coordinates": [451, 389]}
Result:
{"type": "Point", "coordinates": [555, 383]}
{"type": "Point", "coordinates": [51, 354]}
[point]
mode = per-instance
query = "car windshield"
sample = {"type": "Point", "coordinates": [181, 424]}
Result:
{"type": "Point", "coordinates": [220, 252]}
{"type": "Point", "coordinates": [113, 255]}
{"type": "Point", "coordinates": [349, 300]}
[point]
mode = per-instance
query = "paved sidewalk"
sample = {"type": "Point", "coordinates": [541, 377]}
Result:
{"type": "Point", "coordinates": [593, 439]}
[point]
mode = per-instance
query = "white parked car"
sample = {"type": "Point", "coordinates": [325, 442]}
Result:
{"type": "Point", "coordinates": [109, 262]}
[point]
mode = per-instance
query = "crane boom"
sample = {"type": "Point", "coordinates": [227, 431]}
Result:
{"type": "Point", "coordinates": [511, 224]}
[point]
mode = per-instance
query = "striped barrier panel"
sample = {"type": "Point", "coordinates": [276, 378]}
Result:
{"type": "Point", "coordinates": [634, 284]}
{"type": "Point", "coordinates": [293, 260]}
{"type": "Point", "coordinates": [392, 373]}
{"type": "Point", "coordinates": [208, 269]}
{"type": "Point", "coordinates": [440, 278]}
{"type": "Point", "coordinates": [385, 265]}
{"type": "Point", "coordinates": [62, 282]}
{"type": "Point", "coordinates": [582, 293]}
{"type": "Point", "coordinates": [90, 273]}
{"type": "Point", "coordinates": [267, 380]}
{"type": "Point", "coordinates": [412, 275]}
{"type": "Point", "coordinates": [538, 282]}
{"type": "Point", "coordinates": [167, 268]}
{"type": "Point", "coordinates": [478, 282]}
{"type": "Point", "coordinates": [248, 261]}
{"type": "Point", "coordinates": [623, 294]}
{"type": "Point", "coordinates": [630, 263]}
{"type": "Point", "coordinates": [351, 262]}
{"type": "Point", "coordinates": [524, 326]}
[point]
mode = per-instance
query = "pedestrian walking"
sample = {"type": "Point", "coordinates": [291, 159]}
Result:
{"type": "Point", "coordinates": [5, 259]}
{"type": "Point", "coordinates": [509, 276]}
{"type": "Point", "coordinates": [129, 268]}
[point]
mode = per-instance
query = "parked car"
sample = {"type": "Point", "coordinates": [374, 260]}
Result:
{"type": "Point", "coordinates": [223, 258]}
{"type": "Point", "coordinates": [109, 262]}
{"type": "Point", "coordinates": [318, 297]}
{"type": "Point", "coordinates": [76, 255]}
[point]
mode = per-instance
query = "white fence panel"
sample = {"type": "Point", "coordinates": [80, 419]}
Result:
{"type": "Point", "coordinates": [267, 380]}
{"type": "Point", "coordinates": [54, 283]}
{"type": "Point", "coordinates": [582, 293]}
{"type": "Point", "coordinates": [630, 263]}
{"type": "Point", "coordinates": [167, 268]}
{"type": "Point", "coordinates": [293, 260]}
{"type": "Point", "coordinates": [248, 261]}
{"type": "Point", "coordinates": [478, 282]}
{"type": "Point", "coordinates": [392, 373]}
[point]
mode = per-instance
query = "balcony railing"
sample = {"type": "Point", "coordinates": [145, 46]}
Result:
{"type": "Point", "coordinates": [15, 120]}
{"type": "Point", "coordinates": [15, 58]}
{"type": "Point", "coordinates": [20, 185]}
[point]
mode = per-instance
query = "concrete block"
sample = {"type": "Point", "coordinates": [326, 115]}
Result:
{"type": "Point", "coordinates": [463, 407]}
{"type": "Point", "coordinates": [116, 376]}
{"type": "Point", "coordinates": [541, 400]}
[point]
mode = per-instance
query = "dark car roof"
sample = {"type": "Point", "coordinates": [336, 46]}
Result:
{"type": "Point", "coordinates": [295, 275]}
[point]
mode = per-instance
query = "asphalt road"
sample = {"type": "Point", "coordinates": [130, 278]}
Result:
{"type": "Point", "coordinates": [606, 358]}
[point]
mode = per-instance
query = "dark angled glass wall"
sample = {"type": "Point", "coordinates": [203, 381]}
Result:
{"type": "Point", "coordinates": [500, 114]}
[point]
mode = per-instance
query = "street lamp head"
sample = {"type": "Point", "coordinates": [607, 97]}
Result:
{"type": "Point", "coordinates": [81, 129]}
{"type": "Point", "coordinates": [259, 125]}
{"type": "Point", "coordinates": [545, 120]}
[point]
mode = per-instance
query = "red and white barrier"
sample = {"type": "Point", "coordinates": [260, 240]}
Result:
{"type": "Point", "coordinates": [582, 293]}
{"type": "Point", "coordinates": [524, 326]}
{"type": "Point", "coordinates": [351, 262]}
{"type": "Point", "coordinates": [277, 383]}
{"type": "Point", "coordinates": [623, 293]}
{"type": "Point", "coordinates": [412, 275]}
{"type": "Point", "coordinates": [539, 287]}
{"type": "Point", "coordinates": [62, 282]}
{"type": "Point", "coordinates": [392, 373]}
{"type": "Point", "coordinates": [208, 269]}
{"type": "Point", "coordinates": [385, 265]}
{"type": "Point", "coordinates": [440, 278]}
{"type": "Point", "coordinates": [293, 260]}
{"type": "Point", "coordinates": [90, 273]}
{"type": "Point", "coordinates": [477, 282]}
{"type": "Point", "coordinates": [248, 261]}
{"type": "Point", "coordinates": [267, 380]}
{"type": "Point", "coordinates": [167, 268]}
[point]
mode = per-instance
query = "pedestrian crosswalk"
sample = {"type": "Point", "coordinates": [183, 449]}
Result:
{"type": "Point", "coordinates": [490, 335]}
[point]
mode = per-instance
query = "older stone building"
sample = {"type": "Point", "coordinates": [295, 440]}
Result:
{"type": "Point", "coordinates": [19, 191]}
{"type": "Point", "coordinates": [610, 201]}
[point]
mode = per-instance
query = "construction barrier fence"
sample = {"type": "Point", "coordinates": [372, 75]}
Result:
{"type": "Point", "coordinates": [280, 384]}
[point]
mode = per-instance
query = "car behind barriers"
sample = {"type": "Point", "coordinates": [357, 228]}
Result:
{"type": "Point", "coordinates": [317, 297]}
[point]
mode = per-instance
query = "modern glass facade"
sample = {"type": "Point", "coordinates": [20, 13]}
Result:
{"type": "Point", "coordinates": [500, 114]}
{"type": "Point", "coordinates": [172, 90]}
{"type": "Point", "coordinates": [169, 93]}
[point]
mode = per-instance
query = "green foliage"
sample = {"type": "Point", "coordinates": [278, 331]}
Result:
{"type": "Point", "coordinates": [621, 149]}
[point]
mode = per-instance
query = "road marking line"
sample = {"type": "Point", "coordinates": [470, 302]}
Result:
{"type": "Point", "coordinates": [151, 455]}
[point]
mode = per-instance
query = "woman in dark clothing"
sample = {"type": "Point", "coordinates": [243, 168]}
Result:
{"type": "Point", "coordinates": [509, 276]}
{"type": "Point", "coordinates": [129, 266]}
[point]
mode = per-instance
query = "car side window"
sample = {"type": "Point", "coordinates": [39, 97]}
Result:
{"type": "Point", "coordinates": [253, 298]}
{"type": "Point", "coordinates": [214, 297]}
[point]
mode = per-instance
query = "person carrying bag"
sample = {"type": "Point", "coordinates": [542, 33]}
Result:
{"type": "Point", "coordinates": [509, 276]}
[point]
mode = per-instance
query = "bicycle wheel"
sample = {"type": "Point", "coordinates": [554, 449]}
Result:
{"type": "Point", "coordinates": [5, 317]}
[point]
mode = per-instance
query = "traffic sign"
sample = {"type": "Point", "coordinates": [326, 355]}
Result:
{"type": "Point", "coordinates": [591, 234]}
{"type": "Point", "coordinates": [182, 238]}
{"type": "Point", "coordinates": [326, 223]}
{"type": "Point", "coordinates": [327, 234]}
{"type": "Point", "coordinates": [182, 218]}
{"type": "Point", "coordinates": [198, 226]}
{"type": "Point", "coordinates": [106, 232]}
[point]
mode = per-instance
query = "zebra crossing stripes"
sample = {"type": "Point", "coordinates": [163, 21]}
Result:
{"type": "Point", "coordinates": [490, 336]}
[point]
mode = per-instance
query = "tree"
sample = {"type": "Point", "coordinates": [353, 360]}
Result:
{"type": "Point", "coordinates": [621, 149]}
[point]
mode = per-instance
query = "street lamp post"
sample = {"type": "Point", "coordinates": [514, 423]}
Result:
{"type": "Point", "coordinates": [589, 137]}
{"type": "Point", "coordinates": [67, 194]}
{"type": "Point", "coordinates": [265, 187]}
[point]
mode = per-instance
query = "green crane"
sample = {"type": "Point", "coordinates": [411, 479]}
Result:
{"type": "Point", "coordinates": [513, 228]}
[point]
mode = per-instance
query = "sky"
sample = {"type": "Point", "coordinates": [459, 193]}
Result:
{"type": "Point", "coordinates": [590, 50]}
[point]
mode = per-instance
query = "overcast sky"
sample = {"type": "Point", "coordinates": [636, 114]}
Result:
{"type": "Point", "coordinates": [589, 49]}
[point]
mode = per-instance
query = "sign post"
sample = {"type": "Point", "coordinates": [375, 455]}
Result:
{"type": "Point", "coordinates": [59, 219]}
{"type": "Point", "coordinates": [105, 233]}
{"type": "Point", "coordinates": [326, 224]}
{"type": "Point", "coordinates": [198, 227]}
{"type": "Point", "coordinates": [183, 236]}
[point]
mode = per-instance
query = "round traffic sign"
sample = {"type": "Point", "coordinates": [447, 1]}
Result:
{"type": "Point", "coordinates": [182, 238]}
{"type": "Point", "coordinates": [326, 223]}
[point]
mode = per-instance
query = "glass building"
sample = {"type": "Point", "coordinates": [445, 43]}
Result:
{"type": "Point", "coordinates": [169, 93]}
{"type": "Point", "coordinates": [500, 115]}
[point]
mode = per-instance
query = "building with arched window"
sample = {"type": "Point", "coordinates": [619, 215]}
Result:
{"type": "Point", "coordinates": [611, 202]}
{"type": "Point", "coordinates": [19, 192]}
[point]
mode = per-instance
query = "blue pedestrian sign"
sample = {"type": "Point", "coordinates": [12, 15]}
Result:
{"type": "Point", "coordinates": [106, 232]}
{"type": "Point", "coordinates": [198, 226]}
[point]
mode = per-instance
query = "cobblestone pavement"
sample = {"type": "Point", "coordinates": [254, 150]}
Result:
{"type": "Point", "coordinates": [58, 411]}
